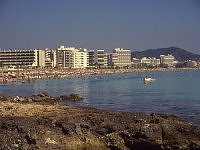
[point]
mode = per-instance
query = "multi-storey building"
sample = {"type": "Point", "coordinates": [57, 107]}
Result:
{"type": "Point", "coordinates": [70, 57]}
{"type": "Point", "coordinates": [191, 64]}
{"type": "Point", "coordinates": [27, 58]}
{"type": "Point", "coordinates": [167, 60]}
{"type": "Point", "coordinates": [145, 61]}
{"type": "Point", "coordinates": [17, 58]}
{"type": "Point", "coordinates": [39, 58]}
{"type": "Point", "coordinates": [60, 56]}
{"type": "Point", "coordinates": [54, 53]}
{"type": "Point", "coordinates": [91, 56]}
{"type": "Point", "coordinates": [109, 59]}
{"type": "Point", "coordinates": [136, 62]}
{"type": "Point", "coordinates": [65, 56]}
{"type": "Point", "coordinates": [121, 57]}
{"type": "Point", "coordinates": [101, 58]}
{"type": "Point", "coordinates": [113, 59]}
{"type": "Point", "coordinates": [150, 61]}
{"type": "Point", "coordinates": [81, 58]}
{"type": "Point", "coordinates": [50, 58]}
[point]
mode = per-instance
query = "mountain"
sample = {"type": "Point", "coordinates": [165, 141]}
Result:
{"type": "Point", "coordinates": [178, 53]}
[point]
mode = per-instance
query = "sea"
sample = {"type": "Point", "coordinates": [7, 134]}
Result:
{"type": "Point", "coordinates": [172, 92]}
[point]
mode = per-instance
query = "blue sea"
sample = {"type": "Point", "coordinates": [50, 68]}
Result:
{"type": "Point", "coordinates": [173, 92]}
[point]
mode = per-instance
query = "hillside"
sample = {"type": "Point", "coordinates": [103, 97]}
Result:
{"type": "Point", "coordinates": [178, 53]}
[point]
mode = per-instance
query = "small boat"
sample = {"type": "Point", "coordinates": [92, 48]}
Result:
{"type": "Point", "coordinates": [148, 79]}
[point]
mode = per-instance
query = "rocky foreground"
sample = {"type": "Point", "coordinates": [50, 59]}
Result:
{"type": "Point", "coordinates": [39, 126]}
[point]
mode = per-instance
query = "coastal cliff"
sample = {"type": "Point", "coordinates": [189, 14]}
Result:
{"type": "Point", "coordinates": [47, 126]}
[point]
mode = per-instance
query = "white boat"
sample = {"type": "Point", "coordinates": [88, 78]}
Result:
{"type": "Point", "coordinates": [148, 79]}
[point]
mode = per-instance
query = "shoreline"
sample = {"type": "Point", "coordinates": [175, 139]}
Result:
{"type": "Point", "coordinates": [44, 98]}
{"type": "Point", "coordinates": [7, 76]}
{"type": "Point", "coordinates": [36, 126]}
{"type": "Point", "coordinates": [81, 73]}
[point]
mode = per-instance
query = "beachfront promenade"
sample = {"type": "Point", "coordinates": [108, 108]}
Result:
{"type": "Point", "coordinates": [27, 75]}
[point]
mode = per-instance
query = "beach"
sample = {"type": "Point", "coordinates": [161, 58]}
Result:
{"type": "Point", "coordinates": [27, 75]}
{"type": "Point", "coordinates": [39, 122]}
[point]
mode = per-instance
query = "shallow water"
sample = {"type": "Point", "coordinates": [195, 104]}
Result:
{"type": "Point", "coordinates": [172, 92]}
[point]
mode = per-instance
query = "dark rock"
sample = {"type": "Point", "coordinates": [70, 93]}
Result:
{"type": "Point", "coordinates": [106, 128]}
{"type": "Point", "coordinates": [67, 127]}
{"type": "Point", "coordinates": [115, 142]}
{"type": "Point", "coordinates": [3, 97]}
{"type": "Point", "coordinates": [59, 127]}
{"type": "Point", "coordinates": [63, 98]}
{"type": "Point", "coordinates": [113, 130]}
{"type": "Point", "coordinates": [42, 98]}
{"type": "Point", "coordinates": [71, 97]}
{"type": "Point", "coordinates": [75, 97]}
{"type": "Point", "coordinates": [45, 94]}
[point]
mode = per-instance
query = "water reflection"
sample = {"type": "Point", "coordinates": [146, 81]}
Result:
{"type": "Point", "coordinates": [125, 92]}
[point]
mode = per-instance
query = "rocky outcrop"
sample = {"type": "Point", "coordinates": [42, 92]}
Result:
{"type": "Point", "coordinates": [33, 126]}
{"type": "Point", "coordinates": [72, 97]}
{"type": "Point", "coordinates": [43, 97]}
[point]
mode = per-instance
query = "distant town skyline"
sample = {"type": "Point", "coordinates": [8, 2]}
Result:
{"type": "Point", "coordinates": [134, 24]}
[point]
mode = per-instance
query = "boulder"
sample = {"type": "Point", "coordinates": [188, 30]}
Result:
{"type": "Point", "coordinates": [75, 97]}
{"type": "Point", "coordinates": [71, 97]}
{"type": "Point", "coordinates": [3, 97]}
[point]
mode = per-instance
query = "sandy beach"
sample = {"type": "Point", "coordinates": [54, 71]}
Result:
{"type": "Point", "coordinates": [27, 75]}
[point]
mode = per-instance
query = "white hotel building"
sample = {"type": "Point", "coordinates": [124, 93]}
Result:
{"type": "Point", "coordinates": [151, 61]}
{"type": "Point", "coordinates": [168, 60]}
{"type": "Point", "coordinates": [71, 57]}
{"type": "Point", "coordinates": [121, 57]}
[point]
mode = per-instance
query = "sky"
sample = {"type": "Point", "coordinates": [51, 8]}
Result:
{"type": "Point", "coordinates": [100, 24]}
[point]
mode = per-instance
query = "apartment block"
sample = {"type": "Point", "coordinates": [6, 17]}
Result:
{"type": "Point", "coordinates": [167, 60]}
{"type": "Point", "coordinates": [100, 58]}
{"type": "Point", "coordinates": [17, 58]}
{"type": "Point", "coordinates": [150, 61]}
{"type": "Point", "coordinates": [71, 57]}
{"type": "Point", "coordinates": [39, 58]}
{"type": "Point", "coordinates": [91, 56]}
{"type": "Point", "coordinates": [81, 59]}
{"type": "Point", "coordinates": [121, 57]}
{"type": "Point", "coordinates": [109, 59]}
{"type": "Point", "coordinates": [136, 62]}
{"type": "Point", "coordinates": [191, 64]}
{"type": "Point", "coordinates": [50, 58]}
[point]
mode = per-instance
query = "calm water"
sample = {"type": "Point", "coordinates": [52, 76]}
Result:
{"type": "Point", "coordinates": [172, 92]}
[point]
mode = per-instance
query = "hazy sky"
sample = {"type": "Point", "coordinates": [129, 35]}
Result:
{"type": "Point", "coordinates": [134, 24]}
